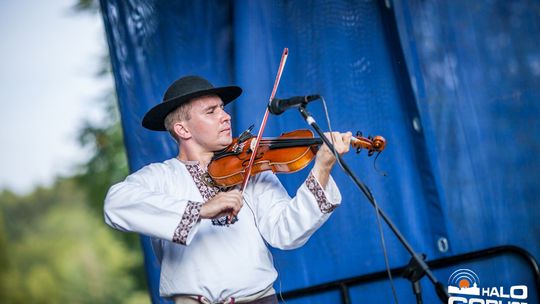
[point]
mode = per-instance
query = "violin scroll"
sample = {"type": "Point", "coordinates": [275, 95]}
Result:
{"type": "Point", "coordinates": [372, 144]}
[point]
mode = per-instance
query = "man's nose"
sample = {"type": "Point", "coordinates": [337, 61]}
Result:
{"type": "Point", "coordinates": [225, 116]}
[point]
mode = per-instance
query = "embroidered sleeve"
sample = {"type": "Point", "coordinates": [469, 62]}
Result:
{"type": "Point", "coordinates": [315, 188]}
{"type": "Point", "coordinates": [189, 219]}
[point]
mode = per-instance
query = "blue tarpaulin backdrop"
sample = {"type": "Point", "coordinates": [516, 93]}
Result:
{"type": "Point", "coordinates": [453, 86]}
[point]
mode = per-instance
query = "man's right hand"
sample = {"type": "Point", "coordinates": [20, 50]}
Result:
{"type": "Point", "coordinates": [224, 203]}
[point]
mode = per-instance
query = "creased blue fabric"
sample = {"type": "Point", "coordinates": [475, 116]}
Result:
{"type": "Point", "coordinates": [454, 91]}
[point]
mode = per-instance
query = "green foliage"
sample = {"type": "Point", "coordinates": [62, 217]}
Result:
{"type": "Point", "coordinates": [4, 262]}
{"type": "Point", "coordinates": [91, 6]}
{"type": "Point", "coordinates": [54, 245]}
{"type": "Point", "coordinates": [61, 252]}
{"type": "Point", "coordinates": [108, 163]}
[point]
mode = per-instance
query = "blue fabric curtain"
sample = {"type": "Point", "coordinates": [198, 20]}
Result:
{"type": "Point", "coordinates": [453, 95]}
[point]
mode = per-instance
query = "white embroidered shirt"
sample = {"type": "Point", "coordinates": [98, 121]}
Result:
{"type": "Point", "coordinates": [205, 257]}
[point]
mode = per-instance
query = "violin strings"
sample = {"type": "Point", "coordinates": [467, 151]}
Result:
{"type": "Point", "coordinates": [298, 139]}
{"type": "Point", "coordinates": [291, 142]}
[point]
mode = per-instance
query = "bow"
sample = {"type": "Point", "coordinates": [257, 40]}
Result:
{"type": "Point", "coordinates": [263, 123]}
{"type": "Point", "coordinates": [247, 170]}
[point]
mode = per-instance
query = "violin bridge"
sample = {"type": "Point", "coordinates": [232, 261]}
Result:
{"type": "Point", "coordinates": [237, 148]}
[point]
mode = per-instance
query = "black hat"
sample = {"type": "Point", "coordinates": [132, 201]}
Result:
{"type": "Point", "coordinates": [182, 91]}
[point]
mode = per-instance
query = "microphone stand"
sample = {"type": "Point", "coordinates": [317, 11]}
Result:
{"type": "Point", "coordinates": [417, 267]}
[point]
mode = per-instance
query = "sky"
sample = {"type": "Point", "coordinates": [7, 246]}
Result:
{"type": "Point", "coordinates": [48, 58]}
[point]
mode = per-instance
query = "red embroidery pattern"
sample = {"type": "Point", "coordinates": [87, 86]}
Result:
{"type": "Point", "coordinates": [192, 213]}
{"type": "Point", "coordinates": [208, 190]}
{"type": "Point", "coordinates": [189, 218]}
{"type": "Point", "coordinates": [197, 173]}
{"type": "Point", "coordinates": [324, 204]}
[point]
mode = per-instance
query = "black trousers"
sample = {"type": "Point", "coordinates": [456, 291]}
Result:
{"type": "Point", "coordinates": [271, 299]}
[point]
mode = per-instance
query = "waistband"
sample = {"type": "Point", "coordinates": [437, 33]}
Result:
{"type": "Point", "coordinates": [197, 299]}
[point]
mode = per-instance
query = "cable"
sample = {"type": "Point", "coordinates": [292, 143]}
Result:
{"type": "Point", "coordinates": [379, 225]}
{"type": "Point", "coordinates": [280, 293]}
{"type": "Point", "coordinates": [330, 128]}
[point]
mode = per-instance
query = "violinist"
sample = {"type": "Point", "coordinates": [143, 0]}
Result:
{"type": "Point", "coordinates": [206, 255]}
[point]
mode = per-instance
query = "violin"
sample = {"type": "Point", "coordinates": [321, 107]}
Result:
{"type": "Point", "coordinates": [288, 153]}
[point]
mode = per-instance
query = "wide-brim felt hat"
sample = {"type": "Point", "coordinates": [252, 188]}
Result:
{"type": "Point", "coordinates": [182, 91]}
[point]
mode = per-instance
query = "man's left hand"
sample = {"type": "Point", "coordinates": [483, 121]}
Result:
{"type": "Point", "coordinates": [325, 159]}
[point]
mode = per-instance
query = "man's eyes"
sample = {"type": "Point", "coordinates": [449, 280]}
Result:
{"type": "Point", "coordinates": [212, 110]}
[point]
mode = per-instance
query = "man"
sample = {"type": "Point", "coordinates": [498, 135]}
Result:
{"type": "Point", "coordinates": [205, 258]}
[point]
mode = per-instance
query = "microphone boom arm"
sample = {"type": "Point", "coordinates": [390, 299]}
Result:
{"type": "Point", "coordinates": [416, 259]}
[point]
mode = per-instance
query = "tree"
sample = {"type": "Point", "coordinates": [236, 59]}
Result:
{"type": "Point", "coordinates": [61, 254]}
{"type": "Point", "coordinates": [108, 163]}
{"type": "Point", "coordinates": [54, 246]}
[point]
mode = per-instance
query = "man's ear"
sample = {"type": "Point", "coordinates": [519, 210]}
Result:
{"type": "Point", "coordinates": [182, 131]}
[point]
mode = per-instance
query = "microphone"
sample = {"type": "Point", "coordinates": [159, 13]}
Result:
{"type": "Point", "coordinates": [278, 106]}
